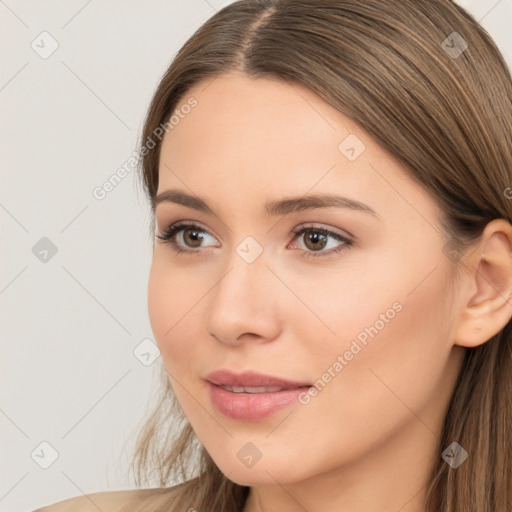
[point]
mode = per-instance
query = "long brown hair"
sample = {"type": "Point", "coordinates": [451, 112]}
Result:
{"type": "Point", "coordinates": [429, 84]}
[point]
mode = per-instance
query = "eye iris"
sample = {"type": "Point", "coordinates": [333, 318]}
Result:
{"type": "Point", "coordinates": [315, 237]}
{"type": "Point", "coordinates": [196, 236]}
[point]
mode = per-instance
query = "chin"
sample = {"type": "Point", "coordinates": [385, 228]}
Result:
{"type": "Point", "coordinates": [250, 479]}
{"type": "Point", "coordinates": [259, 474]}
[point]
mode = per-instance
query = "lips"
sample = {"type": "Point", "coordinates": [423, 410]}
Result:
{"type": "Point", "coordinates": [251, 380]}
{"type": "Point", "coordinates": [252, 396]}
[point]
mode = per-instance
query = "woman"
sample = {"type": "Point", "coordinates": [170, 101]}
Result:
{"type": "Point", "coordinates": [330, 288]}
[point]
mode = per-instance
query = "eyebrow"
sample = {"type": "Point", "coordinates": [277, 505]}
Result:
{"type": "Point", "coordinates": [272, 208]}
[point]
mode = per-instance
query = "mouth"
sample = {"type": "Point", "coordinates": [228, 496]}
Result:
{"type": "Point", "coordinates": [253, 403]}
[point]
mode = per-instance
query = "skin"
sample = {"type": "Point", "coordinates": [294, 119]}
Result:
{"type": "Point", "coordinates": [367, 440]}
{"type": "Point", "coordinates": [93, 502]}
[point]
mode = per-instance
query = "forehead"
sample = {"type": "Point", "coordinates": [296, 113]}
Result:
{"type": "Point", "coordinates": [237, 116]}
{"type": "Point", "coordinates": [243, 126]}
{"type": "Point", "coordinates": [250, 139]}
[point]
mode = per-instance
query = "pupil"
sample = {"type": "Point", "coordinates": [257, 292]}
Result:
{"type": "Point", "coordinates": [315, 238]}
{"type": "Point", "coordinates": [195, 235]}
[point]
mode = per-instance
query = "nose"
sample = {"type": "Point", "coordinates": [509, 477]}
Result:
{"type": "Point", "coordinates": [243, 304]}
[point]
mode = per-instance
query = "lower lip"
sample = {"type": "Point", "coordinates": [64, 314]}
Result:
{"type": "Point", "coordinates": [252, 406]}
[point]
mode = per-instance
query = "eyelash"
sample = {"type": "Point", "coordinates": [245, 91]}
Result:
{"type": "Point", "coordinates": [167, 235]}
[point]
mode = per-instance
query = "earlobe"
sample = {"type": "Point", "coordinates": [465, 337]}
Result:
{"type": "Point", "coordinates": [488, 306]}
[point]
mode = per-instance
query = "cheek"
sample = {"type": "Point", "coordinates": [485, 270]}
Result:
{"type": "Point", "coordinates": [171, 297]}
{"type": "Point", "coordinates": [175, 312]}
{"type": "Point", "coordinates": [394, 347]}
{"type": "Point", "coordinates": [391, 327]}
{"type": "Point", "coordinates": [159, 301]}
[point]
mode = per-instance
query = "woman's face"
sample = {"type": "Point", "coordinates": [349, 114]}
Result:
{"type": "Point", "coordinates": [364, 316]}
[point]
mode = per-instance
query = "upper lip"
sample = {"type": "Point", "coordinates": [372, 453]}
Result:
{"type": "Point", "coordinates": [250, 378]}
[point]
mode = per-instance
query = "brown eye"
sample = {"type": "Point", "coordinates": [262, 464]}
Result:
{"type": "Point", "coordinates": [315, 240]}
{"type": "Point", "coordinates": [189, 237]}
{"type": "Point", "coordinates": [193, 237]}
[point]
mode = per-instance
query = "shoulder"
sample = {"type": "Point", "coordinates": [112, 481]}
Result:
{"type": "Point", "coordinates": [108, 501]}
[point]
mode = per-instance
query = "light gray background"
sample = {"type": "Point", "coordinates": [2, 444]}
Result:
{"type": "Point", "coordinates": [70, 324]}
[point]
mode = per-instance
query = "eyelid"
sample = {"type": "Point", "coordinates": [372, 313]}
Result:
{"type": "Point", "coordinates": [321, 227]}
{"type": "Point", "coordinates": [305, 225]}
{"type": "Point", "coordinates": [184, 222]}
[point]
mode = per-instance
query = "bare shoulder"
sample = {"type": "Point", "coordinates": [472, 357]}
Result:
{"type": "Point", "coordinates": [107, 501]}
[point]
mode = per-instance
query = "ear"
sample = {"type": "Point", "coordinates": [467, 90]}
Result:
{"type": "Point", "coordinates": [486, 300]}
